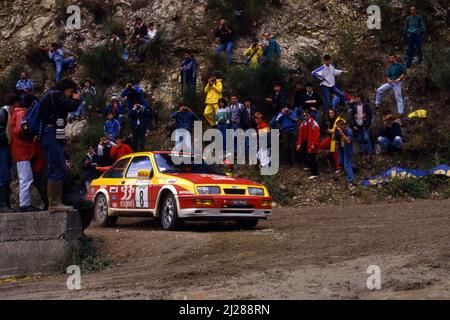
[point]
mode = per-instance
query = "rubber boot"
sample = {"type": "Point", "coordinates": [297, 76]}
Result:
{"type": "Point", "coordinates": [5, 206]}
{"type": "Point", "coordinates": [54, 191]}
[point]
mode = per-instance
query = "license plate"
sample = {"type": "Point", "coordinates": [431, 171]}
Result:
{"type": "Point", "coordinates": [239, 202]}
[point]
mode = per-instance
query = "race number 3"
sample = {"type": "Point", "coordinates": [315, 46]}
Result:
{"type": "Point", "coordinates": [141, 196]}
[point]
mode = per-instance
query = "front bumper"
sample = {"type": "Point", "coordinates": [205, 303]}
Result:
{"type": "Point", "coordinates": [222, 207]}
{"type": "Point", "coordinates": [224, 213]}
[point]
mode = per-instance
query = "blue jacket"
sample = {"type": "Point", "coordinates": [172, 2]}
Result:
{"type": "Point", "coordinates": [133, 95]}
{"type": "Point", "coordinates": [272, 50]}
{"type": "Point", "coordinates": [108, 109]}
{"type": "Point", "coordinates": [112, 127]}
{"type": "Point", "coordinates": [139, 118]}
{"type": "Point", "coordinates": [189, 71]}
{"type": "Point", "coordinates": [184, 120]}
{"type": "Point", "coordinates": [285, 122]}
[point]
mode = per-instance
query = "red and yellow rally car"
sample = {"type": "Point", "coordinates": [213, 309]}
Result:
{"type": "Point", "coordinates": [153, 184]}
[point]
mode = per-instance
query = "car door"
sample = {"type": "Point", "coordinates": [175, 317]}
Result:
{"type": "Point", "coordinates": [115, 183]}
{"type": "Point", "coordinates": [141, 186]}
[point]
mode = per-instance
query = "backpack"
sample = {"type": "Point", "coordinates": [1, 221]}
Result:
{"type": "Point", "coordinates": [34, 121]}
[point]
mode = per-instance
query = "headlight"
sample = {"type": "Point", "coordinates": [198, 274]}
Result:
{"type": "Point", "coordinates": [256, 191]}
{"type": "Point", "coordinates": [208, 190]}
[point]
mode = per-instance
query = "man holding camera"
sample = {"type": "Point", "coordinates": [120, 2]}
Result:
{"type": "Point", "coordinates": [226, 37]}
{"type": "Point", "coordinates": [139, 117]}
{"type": "Point", "coordinates": [184, 119]}
{"type": "Point", "coordinates": [213, 92]}
{"type": "Point", "coordinates": [133, 92]}
{"type": "Point", "coordinates": [54, 109]}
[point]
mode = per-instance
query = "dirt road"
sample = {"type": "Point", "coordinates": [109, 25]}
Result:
{"type": "Point", "coordinates": [307, 253]}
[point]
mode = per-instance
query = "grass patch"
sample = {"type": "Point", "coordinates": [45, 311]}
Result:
{"type": "Point", "coordinates": [87, 256]}
{"type": "Point", "coordinates": [157, 50]}
{"type": "Point", "coordinates": [421, 188]}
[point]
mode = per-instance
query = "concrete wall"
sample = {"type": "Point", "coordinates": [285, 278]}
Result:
{"type": "Point", "coordinates": [34, 242]}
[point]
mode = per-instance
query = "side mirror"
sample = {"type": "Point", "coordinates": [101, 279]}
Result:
{"type": "Point", "coordinates": [145, 174]}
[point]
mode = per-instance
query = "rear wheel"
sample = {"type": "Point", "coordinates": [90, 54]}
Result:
{"type": "Point", "coordinates": [169, 213]}
{"type": "Point", "coordinates": [247, 223]}
{"type": "Point", "coordinates": [101, 212]}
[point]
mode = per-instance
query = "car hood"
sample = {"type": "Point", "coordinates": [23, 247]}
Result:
{"type": "Point", "coordinates": [212, 179]}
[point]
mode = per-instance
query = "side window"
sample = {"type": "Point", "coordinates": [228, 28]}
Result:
{"type": "Point", "coordinates": [117, 169]}
{"type": "Point", "coordinates": [138, 163]}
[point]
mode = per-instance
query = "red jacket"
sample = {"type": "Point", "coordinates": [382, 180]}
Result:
{"type": "Point", "coordinates": [21, 148]}
{"type": "Point", "coordinates": [118, 152]}
{"type": "Point", "coordinates": [309, 131]}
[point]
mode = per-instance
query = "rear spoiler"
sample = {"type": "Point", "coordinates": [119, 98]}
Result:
{"type": "Point", "coordinates": [102, 169]}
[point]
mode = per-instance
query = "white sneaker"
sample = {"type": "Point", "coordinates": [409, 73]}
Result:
{"type": "Point", "coordinates": [313, 177]}
{"type": "Point", "coordinates": [337, 172]}
{"type": "Point", "coordinates": [306, 169]}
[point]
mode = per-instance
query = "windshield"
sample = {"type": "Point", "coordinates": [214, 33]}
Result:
{"type": "Point", "coordinates": [165, 165]}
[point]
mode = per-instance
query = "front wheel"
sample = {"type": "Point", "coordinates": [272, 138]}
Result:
{"type": "Point", "coordinates": [101, 217]}
{"type": "Point", "coordinates": [169, 213]}
{"type": "Point", "coordinates": [247, 224]}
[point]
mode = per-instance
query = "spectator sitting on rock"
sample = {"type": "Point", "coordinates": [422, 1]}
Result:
{"type": "Point", "coordinates": [111, 127]}
{"type": "Point", "coordinates": [56, 54]}
{"type": "Point", "coordinates": [152, 31]}
{"type": "Point", "coordinates": [327, 74]}
{"type": "Point", "coordinates": [24, 86]}
{"type": "Point", "coordinates": [391, 137]}
{"type": "Point", "coordinates": [226, 37]}
{"type": "Point", "coordinates": [271, 49]}
{"type": "Point", "coordinates": [87, 93]}
{"type": "Point", "coordinates": [253, 54]}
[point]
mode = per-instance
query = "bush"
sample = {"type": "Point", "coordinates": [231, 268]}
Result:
{"type": "Point", "coordinates": [415, 188]}
{"type": "Point", "coordinates": [158, 49]}
{"type": "Point", "coordinates": [8, 84]}
{"type": "Point", "coordinates": [438, 66]}
{"type": "Point", "coordinates": [102, 64]}
{"type": "Point", "coordinates": [244, 81]}
{"type": "Point", "coordinates": [241, 14]}
{"type": "Point", "coordinates": [113, 26]}
{"type": "Point", "coordinates": [35, 56]}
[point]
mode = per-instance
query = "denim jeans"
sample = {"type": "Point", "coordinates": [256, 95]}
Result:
{"type": "Point", "coordinates": [388, 145]}
{"type": "Point", "coordinates": [5, 167]}
{"type": "Point", "coordinates": [222, 127]}
{"type": "Point", "coordinates": [345, 159]}
{"type": "Point", "coordinates": [363, 138]}
{"type": "Point", "coordinates": [228, 48]}
{"type": "Point", "coordinates": [61, 65]}
{"type": "Point", "coordinates": [397, 87]}
{"type": "Point", "coordinates": [54, 153]}
{"type": "Point", "coordinates": [25, 175]}
{"type": "Point", "coordinates": [414, 40]}
{"type": "Point", "coordinates": [326, 91]}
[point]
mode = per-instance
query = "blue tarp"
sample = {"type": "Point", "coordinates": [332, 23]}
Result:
{"type": "Point", "coordinates": [400, 173]}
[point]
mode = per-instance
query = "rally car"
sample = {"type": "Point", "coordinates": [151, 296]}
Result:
{"type": "Point", "coordinates": [154, 184]}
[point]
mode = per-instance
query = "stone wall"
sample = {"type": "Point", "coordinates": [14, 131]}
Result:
{"type": "Point", "coordinates": [35, 242]}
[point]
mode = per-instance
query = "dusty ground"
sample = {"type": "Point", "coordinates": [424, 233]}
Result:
{"type": "Point", "coordinates": [321, 252]}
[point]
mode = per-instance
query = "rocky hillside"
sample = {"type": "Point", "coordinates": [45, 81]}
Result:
{"type": "Point", "coordinates": [305, 30]}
